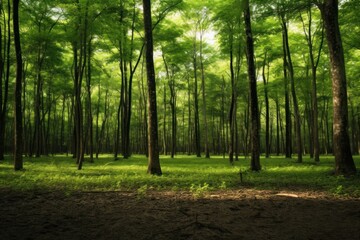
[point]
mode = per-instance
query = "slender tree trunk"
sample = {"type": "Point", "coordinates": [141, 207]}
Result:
{"type": "Point", "coordinates": [120, 124]}
{"type": "Point", "coordinates": [344, 163]}
{"type": "Point", "coordinates": [222, 118]}
{"type": "Point", "coordinates": [293, 91]}
{"type": "Point", "coordinates": [26, 118]}
{"type": "Point", "coordinates": [173, 116]}
{"type": "Point", "coordinates": [277, 127]}
{"type": "Point", "coordinates": [4, 92]}
{"type": "Point", "coordinates": [267, 114]}
{"type": "Point", "coordinates": [2, 64]}
{"type": "Point", "coordinates": [196, 103]}
{"type": "Point", "coordinates": [189, 138]}
{"type": "Point", "coordinates": [89, 104]}
{"type": "Point", "coordinates": [62, 126]}
{"type": "Point", "coordinates": [164, 122]}
{"type": "Point", "coordinates": [143, 92]}
{"type": "Point", "coordinates": [133, 67]}
{"type": "Point", "coordinates": [288, 131]}
{"type": "Point", "coordinates": [254, 108]}
{"type": "Point", "coordinates": [171, 83]}
{"type": "Point", "coordinates": [207, 152]}
{"type": "Point", "coordinates": [154, 161]}
{"type": "Point", "coordinates": [232, 115]}
{"type": "Point", "coordinates": [97, 122]}
{"type": "Point", "coordinates": [314, 64]}
{"type": "Point", "coordinates": [103, 125]}
{"type": "Point", "coordinates": [38, 106]}
{"type": "Point", "coordinates": [18, 139]}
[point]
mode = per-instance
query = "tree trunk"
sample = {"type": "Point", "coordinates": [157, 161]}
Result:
{"type": "Point", "coordinates": [18, 140]}
{"type": "Point", "coordinates": [89, 105]}
{"type": "Point", "coordinates": [344, 163]}
{"type": "Point", "coordinates": [254, 108]}
{"type": "Point", "coordinates": [232, 115]}
{"type": "Point", "coordinates": [189, 137]}
{"type": "Point", "coordinates": [164, 122]}
{"type": "Point", "coordinates": [267, 114]}
{"type": "Point", "coordinates": [288, 131]}
{"type": "Point", "coordinates": [154, 161]}
{"type": "Point", "coordinates": [38, 106]}
{"type": "Point", "coordinates": [62, 126]}
{"type": "Point", "coordinates": [171, 83]}
{"type": "Point", "coordinates": [196, 103]}
{"type": "Point", "coordinates": [293, 91]}
{"type": "Point", "coordinates": [4, 91]}
{"type": "Point", "coordinates": [207, 152]}
{"type": "Point", "coordinates": [277, 127]}
{"type": "Point", "coordinates": [173, 117]}
{"type": "Point", "coordinates": [314, 64]}
{"type": "Point", "coordinates": [2, 64]}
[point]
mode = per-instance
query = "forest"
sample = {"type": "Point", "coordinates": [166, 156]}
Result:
{"type": "Point", "coordinates": [208, 119]}
{"type": "Point", "coordinates": [281, 80]}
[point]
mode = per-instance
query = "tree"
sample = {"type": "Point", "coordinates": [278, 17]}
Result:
{"type": "Point", "coordinates": [267, 113]}
{"type": "Point", "coordinates": [290, 67]}
{"type": "Point", "coordinates": [202, 27]}
{"type": "Point", "coordinates": [5, 39]}
{"type": "Point", "coordinates": [344, 163]}
{"type": "Point", "coordinates": [230, 30]}
{"type": "Point", "coordinates": [254, 108]}
{"type": "Point", "coordinates": [173, 58]}
{"type": "Point", "coordinates": [154, 161]}
{"type": "Point", "coordinates": [314, 61]}
{"type": "Point", "coordinates": [196, 98]}
{"type": "Point", "coordinates": [41, 53]}
{"type": "Point", "coordinates": [18, 140]}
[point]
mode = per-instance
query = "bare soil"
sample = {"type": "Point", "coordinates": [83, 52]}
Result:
{"type": "Point", "coordinates": [237, 214]}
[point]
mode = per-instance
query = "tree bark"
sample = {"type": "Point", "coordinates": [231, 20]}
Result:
{"type": "Point", "coordinates": [196, 103]}
{"type": "Point", "coordinates": [344, 163]}
{"type": "Point", "coordinates": [254, 108]}
{"type": "Point", "coordinates": [18, 140]}
{"type": "Point", "coordinates": [89, 104]}
{"type": "Point", "coordinates": [189, 134]}
{"type": "Point", "coordinates": [277, 127]}
{"type": "Point", "coordinates": [267, 112]}
{"type": "Point", "coordinates": [232, 115]}
{"type": "Point", "coordinates": [4, 92]}
{"type": "Point", "coordinates": [153, 161]}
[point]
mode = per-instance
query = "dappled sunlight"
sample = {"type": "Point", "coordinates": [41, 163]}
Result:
{"type": "Point", "coordinates": [180, 173]}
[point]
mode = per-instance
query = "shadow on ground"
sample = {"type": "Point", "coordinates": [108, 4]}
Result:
{"type": "Point", "coordinates": [240, 214]}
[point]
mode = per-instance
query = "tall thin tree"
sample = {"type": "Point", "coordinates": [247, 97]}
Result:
{"type": "Point", "coordinates": [314, 60]}
{"type": "Point", "coordinates": [18, 141]}
{"type": "Point", "coordinates": [254, 108]}
{"type": "Point", "coordinates": [5, 38]}
{"type": "Point", "coordinates": [154, 161]}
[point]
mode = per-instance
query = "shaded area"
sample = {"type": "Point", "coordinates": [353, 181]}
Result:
{"type": "Point", "coordinates": [240, 214]}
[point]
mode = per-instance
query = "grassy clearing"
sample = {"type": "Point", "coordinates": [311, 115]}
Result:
{"type": "Point", "coordinates": [197, 175]}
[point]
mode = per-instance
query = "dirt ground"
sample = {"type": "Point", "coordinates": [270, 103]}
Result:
{"type": "Point", "coordinates": [240, 214]}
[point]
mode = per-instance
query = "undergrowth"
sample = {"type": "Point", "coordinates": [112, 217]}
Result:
{"type": "Point", "coordinates": [197, 175]}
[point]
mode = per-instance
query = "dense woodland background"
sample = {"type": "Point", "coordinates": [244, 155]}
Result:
{"type": "Point", "coordinates": [83, 63]}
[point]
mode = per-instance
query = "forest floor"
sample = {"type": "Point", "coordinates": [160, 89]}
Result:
{"type": "Point", "coordinates": [226, 214]}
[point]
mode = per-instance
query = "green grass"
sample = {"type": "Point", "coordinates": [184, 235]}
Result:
{"type": "Point", "coordinates": [197, 175]}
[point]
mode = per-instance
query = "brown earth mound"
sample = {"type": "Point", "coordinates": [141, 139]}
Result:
{"type": "Point", "coordinates": [241, 214]}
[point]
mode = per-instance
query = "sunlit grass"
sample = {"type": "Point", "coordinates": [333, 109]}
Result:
{"type": "Point", "coordinates": [59, 173]}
